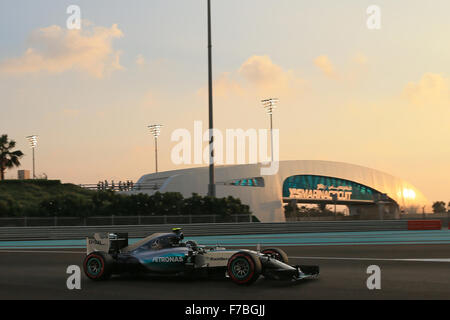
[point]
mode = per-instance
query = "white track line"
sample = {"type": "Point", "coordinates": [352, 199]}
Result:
{"type": "Point", "coordinates": [375, 259]}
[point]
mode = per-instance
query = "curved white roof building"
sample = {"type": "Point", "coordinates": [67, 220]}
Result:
{"type": "Point", "coordinates": [367, 192]}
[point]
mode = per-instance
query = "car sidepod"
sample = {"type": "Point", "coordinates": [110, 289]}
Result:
{"type": "Point", "coordinates": [170, 260]}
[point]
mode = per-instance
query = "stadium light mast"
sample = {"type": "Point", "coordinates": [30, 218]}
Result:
{"type": "Point", "coordinates": [155, 130]}
{"type": "Point", "coordinates": [269, 105]}
{"type": "Point", "coordinates": [212, 185]}
{"type": "Point", "coordinates": [33, 143]}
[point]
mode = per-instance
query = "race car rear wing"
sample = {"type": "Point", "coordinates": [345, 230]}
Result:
{"type": "Point", "coordinates": [106, 242]}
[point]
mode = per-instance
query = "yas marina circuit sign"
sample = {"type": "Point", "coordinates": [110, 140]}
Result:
{"type": "Point", "coordinates": [312, 187]}
{"type": "Point", "coordinates": [322, 192]}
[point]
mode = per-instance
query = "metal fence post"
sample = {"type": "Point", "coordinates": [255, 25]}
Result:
{"type": "Point", "coordinates": [190, 219]}
{"type": "Point", "coordinates": [165, 219]}
{"type": "Point", "coordinates": [139, 220]}
{"type": "Point", "coordinates": [55, 221]}
{"type": "Point", "coordinates": [112, 220]}
{"type": "Point", "coordinates": [25, 221]}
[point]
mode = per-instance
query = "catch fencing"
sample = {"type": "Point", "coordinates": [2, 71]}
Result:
{"type": "Point", "coordinates": [139, 231]}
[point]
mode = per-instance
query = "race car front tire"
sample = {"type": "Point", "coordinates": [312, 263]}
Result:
{"type": "Point", "coordinates": [244, 268]}
{"type": "Point", "coordinates": [98, 266]}
{"type": "Point", "coordinates": [277, 253]}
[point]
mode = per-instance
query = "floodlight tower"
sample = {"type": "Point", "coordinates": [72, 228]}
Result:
{"type": "Point", "coordinates": [269, 105]}
{"type": "Point", "coordinates": [33, 143]}
{"type": "Point", "coordinates": [155, 130]}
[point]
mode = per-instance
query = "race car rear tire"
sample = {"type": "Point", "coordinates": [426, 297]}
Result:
{"type": "Point", "coordinates": [98, 266]}
{"type": "Point", "coordinates": [244, 268]}
{"type": "Point", "coordinates": [278, 254]}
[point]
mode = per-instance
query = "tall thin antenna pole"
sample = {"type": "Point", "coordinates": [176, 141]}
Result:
{"type": "Point", "coordinates": [212, 185]}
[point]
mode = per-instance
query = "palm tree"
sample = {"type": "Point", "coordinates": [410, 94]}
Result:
{"type": "Point", "coordinates": [8, 158]}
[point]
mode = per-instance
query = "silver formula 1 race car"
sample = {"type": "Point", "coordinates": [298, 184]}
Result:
{"type": "Point", "coordinates": [165, 254]}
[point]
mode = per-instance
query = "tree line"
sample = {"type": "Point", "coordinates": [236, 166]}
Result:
{"type": "Point", "coordinates": [292, 210]}
{"type": "Point", "coordinates": [107, 203]}
{"type": "Point", "coordinates": [439, 207]}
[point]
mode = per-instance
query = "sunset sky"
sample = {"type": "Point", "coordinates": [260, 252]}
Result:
{"type": "Point", "coordinates": [376, 98]}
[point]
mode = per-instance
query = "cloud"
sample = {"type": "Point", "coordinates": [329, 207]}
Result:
{"type": "Point", "coordinates": [262, 72]}
{"type": "Point", "coordinates": [432, 89]}
{"type": "Point", "coordinates": [325, 65]}
{"type": "Point", "coordinates": [56, 50]}
{"type": "Point", "coordinates": [223, 86]}
{"type": "Point", "coordinates": [71, 112]}
{"type": "Point", "coordinates": [140, 60]}
{"type": "Point", "coordinates": [360, 59]}
{"type": "Point", "coordinates": [257, 76]}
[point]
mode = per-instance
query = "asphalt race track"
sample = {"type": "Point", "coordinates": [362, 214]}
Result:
{"type": "Point", "coordinates": [408, 271]}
